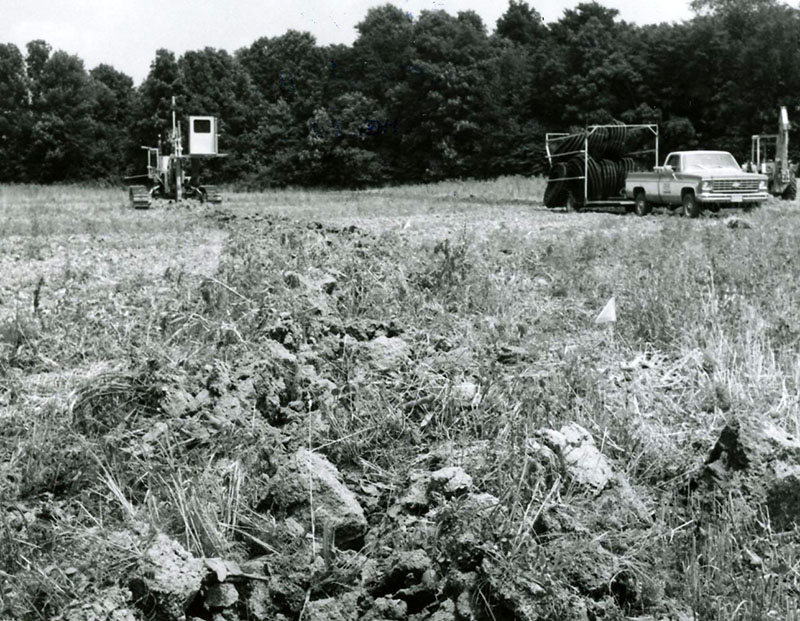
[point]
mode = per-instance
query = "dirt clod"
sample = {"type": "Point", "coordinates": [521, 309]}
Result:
{"type": "Point", "coordinates": [767, 458]}
{"type": "Point", "coordinates": [344, 608]}
{"type": "Point", "coordinates": [387, 353]}
{"type": "Point", "coordinates": [390, 608]}
{"type": "Point", "coordinates": [450, 481]}
{"type": "Point", "coordinates": [221, 596]}
{"type": "Point", "coordinates": [586, 465]}
{"type": "Point", "coordinates": [172, 577]}
{"type": "Point", "coordinates": [309, 479]}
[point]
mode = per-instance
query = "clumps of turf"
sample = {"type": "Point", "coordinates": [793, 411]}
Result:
{"type": "Point", "coordinates": [343, 422]}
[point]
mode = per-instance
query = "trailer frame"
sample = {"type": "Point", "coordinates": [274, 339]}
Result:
{"type": "Point", "coordinates": [591, 129]}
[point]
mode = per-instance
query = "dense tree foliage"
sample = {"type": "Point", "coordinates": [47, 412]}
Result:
{"type": "Point", "coordinates": [415, 98]}
{"type": "Point", "coordinates": [14, 111]}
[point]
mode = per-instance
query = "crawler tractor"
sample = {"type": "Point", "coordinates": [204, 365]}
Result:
{"type": "Point", "coordinates": [769, 155]}
{"type": "Point", "coordinates": [166, 177]}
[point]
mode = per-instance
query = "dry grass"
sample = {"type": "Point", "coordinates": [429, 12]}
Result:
{"type": "Point", "coordinates": [136, 309]}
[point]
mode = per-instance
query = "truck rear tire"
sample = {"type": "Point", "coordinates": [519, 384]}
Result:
{"type": "Point", "coordinates": [642, 207]}
{"type": "Point", "coordinates": [691, 208]}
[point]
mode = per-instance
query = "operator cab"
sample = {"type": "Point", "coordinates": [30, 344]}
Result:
{"type": "Point", "coordinates": [203, 136]}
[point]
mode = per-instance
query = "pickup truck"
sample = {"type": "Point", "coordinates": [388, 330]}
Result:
{"type": "Point", "coordinates": [694, 180]}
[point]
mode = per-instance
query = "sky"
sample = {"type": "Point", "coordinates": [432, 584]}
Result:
{"type": "Point", "coordinates": [126, 33]}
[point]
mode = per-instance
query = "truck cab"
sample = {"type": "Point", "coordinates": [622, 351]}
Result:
{"type": "Point", "coordinates": [696, 180]}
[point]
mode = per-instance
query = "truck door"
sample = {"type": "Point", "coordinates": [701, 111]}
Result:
{"type": "Point", "coordinates": [668, 186]}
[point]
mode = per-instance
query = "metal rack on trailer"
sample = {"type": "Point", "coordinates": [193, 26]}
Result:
{"type": "Point", "coordinates": [584, 201]}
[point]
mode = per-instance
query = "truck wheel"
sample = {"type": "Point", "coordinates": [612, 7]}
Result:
{"type": "Point", "coordinates": [642, 207]}
{"type": "Point", "coordinates": [690, 207]}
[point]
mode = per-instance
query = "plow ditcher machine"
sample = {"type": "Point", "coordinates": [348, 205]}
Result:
{"type": "Point", "coordinates": [769, 155]}
{"type": "Point", "coordinates": [166, 174]}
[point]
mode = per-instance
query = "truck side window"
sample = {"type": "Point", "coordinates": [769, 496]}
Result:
{"type": "Point", "coordinates": [674, 161]}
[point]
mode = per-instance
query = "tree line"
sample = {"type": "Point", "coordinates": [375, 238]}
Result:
{"type": "Point", "coordinates": [414, 98]}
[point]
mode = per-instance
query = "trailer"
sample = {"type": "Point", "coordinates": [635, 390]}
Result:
{"type": "Point", "coordinates": [588, 168]}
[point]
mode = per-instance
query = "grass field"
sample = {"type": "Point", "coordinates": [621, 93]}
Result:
{"type": "Point", "coordinates": [113, 320]}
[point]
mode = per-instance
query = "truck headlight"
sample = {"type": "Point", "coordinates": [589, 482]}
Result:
{"type": "Point", "coordinates": [762, 185]}
{"type": "Point", "coordinates": [707, 186]}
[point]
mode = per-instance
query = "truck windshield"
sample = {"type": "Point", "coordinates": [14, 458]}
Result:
{"type": "Point", "coordinates": [708, 161]}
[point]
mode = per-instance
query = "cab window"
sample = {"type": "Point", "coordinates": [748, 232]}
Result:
{"type": "Point", "coordinates": [202, 126]}
{"type": "Point", "coordinates": [674, 161]}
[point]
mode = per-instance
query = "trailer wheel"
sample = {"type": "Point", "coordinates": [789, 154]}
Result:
{"type": "Point", "coordinates": [571, 204]}
{"type": "Point", "coordinates": [790, 193]}
{"type": "Point", "coordinates": [642, 207]}
{"type": "Point", "coordinates": [691, 209]}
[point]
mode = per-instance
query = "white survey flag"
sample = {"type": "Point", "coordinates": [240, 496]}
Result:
{"type": "Point", "coordinates": [609, 312]}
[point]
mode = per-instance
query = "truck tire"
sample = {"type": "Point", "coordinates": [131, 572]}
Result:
{"type": "Point", "coordinates": [790, 193]}
{"type": "Point", "coordinates": [691, 208]}
{"type": "Point", "coordinates": [642, 207]}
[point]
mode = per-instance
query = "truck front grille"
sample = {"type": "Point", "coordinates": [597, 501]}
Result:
{"type": "Point", "coordinates": [735, 186]}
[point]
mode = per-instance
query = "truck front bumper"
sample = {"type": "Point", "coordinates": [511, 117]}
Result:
{"type": "Point", "coordinates": [732, 199]}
